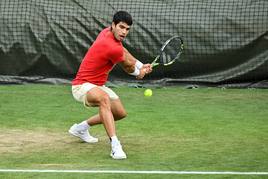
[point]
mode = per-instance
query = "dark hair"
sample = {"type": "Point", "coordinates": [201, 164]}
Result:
{"type": "Point", "coordinates": [122, 16]}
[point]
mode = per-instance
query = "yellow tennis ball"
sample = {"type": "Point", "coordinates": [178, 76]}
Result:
{"type": "Point", "coordinates": [148, 92]}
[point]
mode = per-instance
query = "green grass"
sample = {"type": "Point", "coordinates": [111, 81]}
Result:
{"type": "Point", "coordinates": [177, 129]}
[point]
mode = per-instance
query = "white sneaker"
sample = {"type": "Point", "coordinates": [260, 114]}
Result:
{"type": "Point", "coordinates": [84, 135]}
{"type": "Point", "coordinates": [117, 152]}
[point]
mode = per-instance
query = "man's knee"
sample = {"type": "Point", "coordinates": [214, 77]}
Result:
{"type": "Point", "coordinates": [104, 100]}
{"type": "Point", "coordinates": [120, 115]}
{"type": "Point", "coordinates": [97, 97]}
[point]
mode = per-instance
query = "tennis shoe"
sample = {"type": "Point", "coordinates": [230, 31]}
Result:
{"type": "Point", "coordinates": [117, 152]}
{"type": "Point", "coordinates": [82, 134]}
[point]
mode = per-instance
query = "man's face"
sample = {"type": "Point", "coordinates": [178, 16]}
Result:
{"type": "Point", "coordinates": [120, 30]}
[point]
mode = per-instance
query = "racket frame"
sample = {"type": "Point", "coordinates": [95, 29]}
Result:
{"type": "Point", "coordinates": [155, 63]}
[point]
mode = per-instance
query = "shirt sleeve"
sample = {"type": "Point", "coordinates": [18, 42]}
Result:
{"type": "Point", "coordinates": [117, 55]}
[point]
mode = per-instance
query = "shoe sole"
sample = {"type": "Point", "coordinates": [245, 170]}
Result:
{"type": "Point", "coordinates": [74, 134]}
{"type": "Point", "coordinates": [119, 158]}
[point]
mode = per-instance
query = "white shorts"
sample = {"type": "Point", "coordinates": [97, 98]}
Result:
{"type": "Point", "coordinates": [80, 91]}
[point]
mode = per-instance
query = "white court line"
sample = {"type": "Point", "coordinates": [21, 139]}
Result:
{"type": "Point", "coordinates": [133, 172]}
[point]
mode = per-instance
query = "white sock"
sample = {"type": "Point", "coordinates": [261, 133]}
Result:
{"type": "Point", "coordinates": [114, 140]}
{"type": "Point", "coordinates": [83, 126]}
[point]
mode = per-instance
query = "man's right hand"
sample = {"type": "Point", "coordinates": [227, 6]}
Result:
{"type": "Point", "coordinates": [142, 73]}
{"type": "Point", "coordinates": [146, 69]}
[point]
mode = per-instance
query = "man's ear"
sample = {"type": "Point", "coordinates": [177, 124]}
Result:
{"type": "Point", "coordinates": [113, 25]}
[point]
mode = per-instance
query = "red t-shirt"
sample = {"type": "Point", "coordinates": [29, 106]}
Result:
{"type": "Point", "coordinates": [99, 60]}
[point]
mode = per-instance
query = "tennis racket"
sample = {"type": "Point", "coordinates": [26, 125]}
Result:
{"type": "Point", "coordinates": [170, 52]}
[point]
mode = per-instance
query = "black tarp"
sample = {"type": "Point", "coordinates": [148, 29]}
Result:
{"type": "Point", "coordinates": [226, 41]}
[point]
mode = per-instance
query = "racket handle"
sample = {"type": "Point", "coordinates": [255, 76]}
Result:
{"type": "Point", "coordinates": [154, 64]}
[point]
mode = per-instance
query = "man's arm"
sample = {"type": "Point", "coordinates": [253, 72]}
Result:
{"type": "Point", "coordinates": [134, 67]}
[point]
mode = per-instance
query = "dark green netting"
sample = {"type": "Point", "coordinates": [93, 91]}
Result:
{"type": "Point", "coordinates": [226, 41]}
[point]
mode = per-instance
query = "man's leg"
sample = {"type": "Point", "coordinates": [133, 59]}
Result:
{"type": "Point", "coordinates": [98, 97]}
{"type": "Point", "coordinates": [118, 112]}
{"type": "Point", "coordinates": [109, 111]}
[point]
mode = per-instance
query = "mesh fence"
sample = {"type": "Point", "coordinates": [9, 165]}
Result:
{"type": "Point", "coordinates": [224, 39]}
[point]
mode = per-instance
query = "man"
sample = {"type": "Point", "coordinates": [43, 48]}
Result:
{"type": "Point", "coordinates": [88, 85]}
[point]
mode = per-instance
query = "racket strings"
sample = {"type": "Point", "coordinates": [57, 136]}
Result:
{"type": "Point", "coordinates": [171, 51]}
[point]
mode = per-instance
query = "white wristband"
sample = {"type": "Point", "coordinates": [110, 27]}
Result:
{"type": "Point", "coordinates": [136, 72]}
{"type": "Point", "coordinates": [138, 64]}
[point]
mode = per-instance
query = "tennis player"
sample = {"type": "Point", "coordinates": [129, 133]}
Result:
{"type": "Point", "coordinates": [89, 88]}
